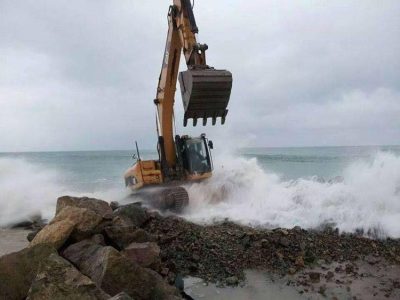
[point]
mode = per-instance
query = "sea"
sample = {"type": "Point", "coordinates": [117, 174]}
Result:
{"type": "Point", "coordinates": [351, 188]}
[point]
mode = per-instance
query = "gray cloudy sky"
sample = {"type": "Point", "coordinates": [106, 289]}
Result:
{"type": "Point", "coordinates": [83, 74]}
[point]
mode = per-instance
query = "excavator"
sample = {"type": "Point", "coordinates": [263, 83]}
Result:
{"type": "Point", "coordinates": [205, 94]}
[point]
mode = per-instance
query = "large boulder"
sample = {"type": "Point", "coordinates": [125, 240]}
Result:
{"type": "Point", "coordinates": [122, 236]}
{"type": "Point", "coordinates": [114, 273]}
{"type": "Point", "coordinates": [58, 279]}
{"type": "Point", "coordinates": [55, 234]}
{"type": "Point", "coordinates": [17, 270]}
{"type": "Point", "coordinates": [100, 207]}
{"type": "Point", "coordinates": [146, 255]}
{"type": "Point", "coordinates": [87, 221]}
{"type": "Point", "coordinates": [134, 212]}
{"type": "Point", "coordinates": [74, 222]}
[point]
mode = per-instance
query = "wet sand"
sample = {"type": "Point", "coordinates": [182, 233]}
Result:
{"type": "Point", "coordinates": [357, 280]}
{"type": "Point", "coordinates": [258, 286]}
{"type": "Point", "coordinates": [12, 240]}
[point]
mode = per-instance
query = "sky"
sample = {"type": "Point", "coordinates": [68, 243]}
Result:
{"type": "Point", "coordinates": [82, 75]}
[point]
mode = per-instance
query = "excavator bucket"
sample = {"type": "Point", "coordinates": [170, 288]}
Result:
{"type": "Point", "coordinates": [205, 94]}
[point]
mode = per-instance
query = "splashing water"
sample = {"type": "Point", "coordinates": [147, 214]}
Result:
{"type": "Point", "coordinates": [26, 189]}
{"type": "Point", "coordinates": [367, 198]}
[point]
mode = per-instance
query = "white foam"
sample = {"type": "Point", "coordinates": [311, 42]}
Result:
{"type": "Point", "coordinates": [240, 190]}
{"type": "Point", "coordinates": [26, 189]}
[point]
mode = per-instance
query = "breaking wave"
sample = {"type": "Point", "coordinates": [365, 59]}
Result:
{"type": "Point", "coordinates": [26, 189]}
{"type": "Point", "coordinates": [367, 197]}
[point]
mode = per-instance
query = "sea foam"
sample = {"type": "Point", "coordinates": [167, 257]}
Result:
{"type": "Point", "coordinates": [26, 189]}
{"type": "Point", "coordinates": [367, 198]}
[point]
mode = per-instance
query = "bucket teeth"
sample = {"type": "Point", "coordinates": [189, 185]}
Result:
{"type": "Point", "coordinates": [205, 94]}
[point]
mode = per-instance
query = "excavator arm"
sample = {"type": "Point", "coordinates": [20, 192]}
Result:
{"type": "Point", "coordinates": [205, 90]}
{"type": "Point", "coordinates": [205, 94]}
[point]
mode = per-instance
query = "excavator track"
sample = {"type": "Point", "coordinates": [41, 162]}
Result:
{"type": "Point", "coordinates": [174, 199]}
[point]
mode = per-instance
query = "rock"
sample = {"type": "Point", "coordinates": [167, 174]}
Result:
{"type": "Point", "coordinates": [283, 231]}
{"type": "Point", "coordinates": [121, 296]}
{"type": "Point", "coordinates": [86, 221]}
{"type": "Point", "coordinates": [297, 229]}
{"type": "Point", "coordinates": [285, 242]}
{"type": "Point", "coordinates": [196, 257]}
{"type": "Point", "coordinates": [292, 271]}
{"type": "Point", "coordinates": [372, 260]}
{"type": "Point", "coordinates": [114, 205]}
{"type": "Point", "coordinates": [122, 236]}
{"type": "Point", "coordinates": [314, 276]}
{"type": "Point", "coordinates": [349, 269]}
{"type": "Point", "coordinates": [246, 241]}
{"type": "Point", "coordinates": [233, 280]}
{"type": "Point", "coordinates": [80, 253]}
{"type": "Point", "coordinates": [179, 282]}
{"type": "Point", "coordinates": [17, 270]}
{"type": "Point", "coordinates": [58, 279]}
{"type": "Point", "coordinates": [55, 234]}
{"type": "Point", "coordinates": [299, 262]}
{"type": "Point", "coordinates": [164, 271]}
{"type": "Point", "coordinates": [34, 222]}
{"type": "Point", "coordinates": [114, 272]}
{"type": "Point", "coordinates": [329, 275]}
{"type": "Point", "coordinates": [264, 243]}
{"type": "Point", "coordinates": [31, 235]}
{"type": "Point", "coordinates": [100, 207]}
{"type": "Point", "coordinates": [135, 213]}
{"type": "Point", "coordinates": [146, 255]}
{"type": "Point", "coordinates": [121, 221]}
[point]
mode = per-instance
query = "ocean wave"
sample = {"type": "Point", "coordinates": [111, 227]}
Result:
{"type": "Point", "coordinates": [26, 189]}
{"type": "Point", "coordinates": [367, 197]}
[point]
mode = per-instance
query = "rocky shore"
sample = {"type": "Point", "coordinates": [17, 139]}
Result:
{"type": "Point", "coordinates": [95, 250]}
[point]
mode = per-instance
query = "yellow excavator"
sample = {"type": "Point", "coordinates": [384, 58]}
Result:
{"type": "Point", "coordinates": [205, 94]}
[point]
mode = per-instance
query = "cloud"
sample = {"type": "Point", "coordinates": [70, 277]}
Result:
{"type": "Point", "coordinates": [83, 75]}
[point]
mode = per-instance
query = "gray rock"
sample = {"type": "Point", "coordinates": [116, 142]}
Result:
{"type": "Point", "coordinates": [329, 275]}
{"type": "Point", "coordinates": [114, 273]}
{"type": "Point", "coordinates": [114, 205]}
{"type": "Point", "coordinates": [135, 213]}
{"type": "Point", "coordinates": [31, 235]}
{"type": "Point", "coordinates": [146, 255]}
{"type": "Point", "coordinates": [100, 207]}
{"type": "Point", "coordinates": [58, 279]}
{"type": "Point", "coordinates": [285, 242]}
{"type": "Point", "coordinates": [314, 276]}
{"type": "Point", "coordinates": [17, 270]}
{"type": "Point", "coordinates": [122, 236]}
{"type": "Point", "coordinates": [233, 280]}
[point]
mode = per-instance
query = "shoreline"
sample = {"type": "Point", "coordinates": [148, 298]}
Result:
{"type": "Point", "coordinates": [227, 260]}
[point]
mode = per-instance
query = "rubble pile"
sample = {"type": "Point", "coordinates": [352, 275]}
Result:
{"type": "Point", "coordinates": [91, 250]}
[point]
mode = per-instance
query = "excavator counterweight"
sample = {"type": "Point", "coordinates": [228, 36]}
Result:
{"type": "Point", "coordinates": [205, 94]}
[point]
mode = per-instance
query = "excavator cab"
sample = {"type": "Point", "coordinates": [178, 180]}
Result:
{"type": "Point", "coordinates": [205, 94]}
{"type": "Point", "coordinates": [194, 155]}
